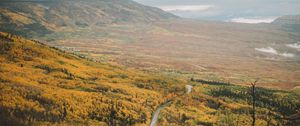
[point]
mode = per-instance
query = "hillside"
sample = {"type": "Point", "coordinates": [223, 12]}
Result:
{"type": "Point", "coordinates": [41, 85]}
{"type": "Point", "coordinates": [116, 63]}
{"type": "Point", "coordinates": [137, 36]}
{"type": "Point", "coordinates": [287, 20]}
{"type": "Point", "coordinates": [33, 18]}
{"type": "Point", "coordinates": [289, 23]}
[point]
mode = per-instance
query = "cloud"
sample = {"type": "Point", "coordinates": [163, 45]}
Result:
{"type": "Point", "coordinates": [295, 46]}
{"type": "Point", "coordinates": [186, 7]}
{"type": "Point", "coordinates": [289, 55]}
{"type": "Point", "coordinates": [271, 50]}
{"type": "Point", "coordinates": [253, 20]}
{"type": "Point", "coordinates": [228, 9]}
{"type": "Point", "coordinates": [267, 50]}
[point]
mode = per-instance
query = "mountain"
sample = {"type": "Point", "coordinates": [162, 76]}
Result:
{"type": "Point", "coordinates": [32, 18]}
{"type": "Point", "coordinates": [41, 85]}
{"type": "Point", "coordinates": [287, 20]}
{"type": "Point", "coordinates": [116, 62]}
{"type": "Point", "coordinates": [289, 23]}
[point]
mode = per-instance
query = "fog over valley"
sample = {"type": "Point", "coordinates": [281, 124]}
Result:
{"type": "Point", "coordinates": [245, 11]}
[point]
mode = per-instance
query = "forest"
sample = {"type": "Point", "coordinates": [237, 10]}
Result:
{"type": "Point", "coordinates": [42, 85]}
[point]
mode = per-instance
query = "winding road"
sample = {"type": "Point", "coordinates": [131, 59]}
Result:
{"type": "Point", "coordinates": [157, 111]}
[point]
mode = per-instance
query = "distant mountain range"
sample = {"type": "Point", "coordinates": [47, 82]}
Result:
{"type": "Point", "coordinates": [38, 17]}
{"type": "Point", "coordinates": [290, 22]}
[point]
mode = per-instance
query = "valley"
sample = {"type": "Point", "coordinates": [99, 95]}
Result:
{"type": "Point", "coordinates": [190, 47]}
{"type": "Point", "coordinates": [120, 63]}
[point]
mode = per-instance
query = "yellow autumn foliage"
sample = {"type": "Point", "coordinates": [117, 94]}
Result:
{"type": "Point", "coordinates": [41, 85]}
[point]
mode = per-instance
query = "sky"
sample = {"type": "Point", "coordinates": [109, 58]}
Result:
{"type": "Point", "coordinates": [243, 11]}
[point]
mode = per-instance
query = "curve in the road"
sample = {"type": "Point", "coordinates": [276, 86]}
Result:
{"type": "Point", "coordinates": [157, 111]}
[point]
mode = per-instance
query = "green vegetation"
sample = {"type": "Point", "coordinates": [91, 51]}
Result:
{"type": "Point", "coordinates": [218, 104]}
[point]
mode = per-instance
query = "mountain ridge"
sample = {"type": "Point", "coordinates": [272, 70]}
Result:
{"type": "Point", "coordinates": [40, 17]}
{"type": "Point", "coordinates": [289, 23]}
{"type": "Point", "coordinates": [287, 19]}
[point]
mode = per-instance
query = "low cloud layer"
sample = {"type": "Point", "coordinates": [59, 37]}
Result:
{"type": "Point", "coordinates": [225, 10]}
{"type": "Point", "coordinates": [186, 7]}
{"type": "Point", "coordinates": [253, 20]}
{"type": "Point", "coordinates": [272, 51]}
{"type": "Point", "coordinates": [289, 55]}
{"type": "Point", "coordinates": [267, 50]}
{"type": "Point", "coordinates": [294, 46]}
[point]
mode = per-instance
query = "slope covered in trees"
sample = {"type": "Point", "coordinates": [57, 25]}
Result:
{"type": "Point", "coordinates": [216, 104]}
{"type": "Point", "coordinates": [42, 85]}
